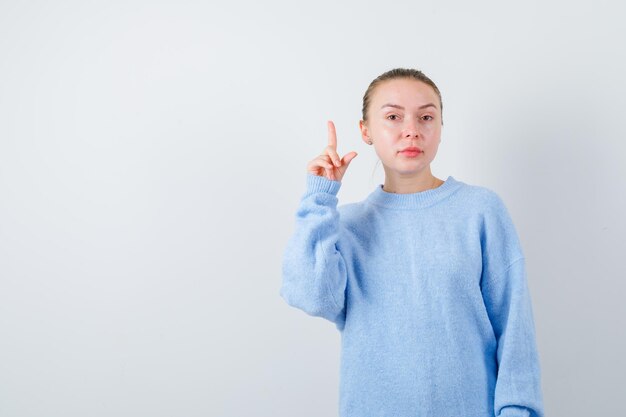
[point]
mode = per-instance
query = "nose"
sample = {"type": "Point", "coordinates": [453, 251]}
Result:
{"type": "Point", "coordinates": [411, 128]}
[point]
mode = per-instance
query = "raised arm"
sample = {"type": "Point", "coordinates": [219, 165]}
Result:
{"type": "Point", "coordinates": [313, 270]}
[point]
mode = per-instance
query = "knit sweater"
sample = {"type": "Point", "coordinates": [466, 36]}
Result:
{"type": "Point", "coordinates": [430, 295]}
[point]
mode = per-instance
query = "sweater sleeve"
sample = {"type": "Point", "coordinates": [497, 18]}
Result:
{"type": "Point", "coordinates": [313, 270]}
{"type": "Point", "coordinates": [508, 304]}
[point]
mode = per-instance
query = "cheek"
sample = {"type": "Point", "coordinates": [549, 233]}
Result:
{"type": "Point", "coordinates": [431, 128]}
{"type": "Point", "coordinates": [385, 130]}
{"type": "Point", "coordinates": [385, 135]}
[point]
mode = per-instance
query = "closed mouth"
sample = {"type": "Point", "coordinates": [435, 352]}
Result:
{"type": "Point", "coordinates": [411, 149]}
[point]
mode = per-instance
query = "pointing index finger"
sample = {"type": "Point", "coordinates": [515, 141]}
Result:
{"type": "Point", "coordinates": [332, 135]}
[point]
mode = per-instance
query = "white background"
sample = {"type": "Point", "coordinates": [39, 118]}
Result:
{"type": "Point", "coordinates": [153, 153]}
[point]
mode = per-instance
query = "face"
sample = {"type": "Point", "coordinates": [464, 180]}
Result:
{"type": "Point", "coordinates": [403, 113]}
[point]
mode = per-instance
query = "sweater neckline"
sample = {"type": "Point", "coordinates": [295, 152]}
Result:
{"type": "Point", "coordinates": [419, 199]}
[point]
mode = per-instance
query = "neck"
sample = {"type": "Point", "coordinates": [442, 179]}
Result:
{"type": "Point", "coordinates": [400, 184]}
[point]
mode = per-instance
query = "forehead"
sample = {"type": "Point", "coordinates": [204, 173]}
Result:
{"type": "Point", "coordinates": [405, 92]}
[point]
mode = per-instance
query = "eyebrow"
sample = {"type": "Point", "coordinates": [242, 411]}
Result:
{"type": "Point", "coordinates": [397, 106]}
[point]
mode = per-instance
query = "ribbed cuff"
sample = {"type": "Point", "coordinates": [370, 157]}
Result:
{"type": "Point", "coordinates": [514, 411]}
{"type": "Point", "coordinates": [319, 184]}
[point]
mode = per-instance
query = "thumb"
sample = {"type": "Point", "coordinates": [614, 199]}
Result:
{"type": "Point", "coordinates": [345, 161]}
{"type": "Point", "coordinates": [348, 157]}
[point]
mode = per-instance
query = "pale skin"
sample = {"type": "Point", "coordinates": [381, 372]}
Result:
{"type": "Point", "coordinates": [328, 164]}
{"type": "Point", "coordinates": [402, 113]}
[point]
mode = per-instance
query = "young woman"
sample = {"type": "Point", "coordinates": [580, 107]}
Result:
{"type": "Point", "coordinates": [425, 279]}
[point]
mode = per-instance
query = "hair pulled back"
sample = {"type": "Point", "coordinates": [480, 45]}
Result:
{"type": "Point", "coordinates": [394, 74]}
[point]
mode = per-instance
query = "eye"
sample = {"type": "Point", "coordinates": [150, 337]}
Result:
{"type": "Point", "coordinates": [428, 117]}
{"type": "Point", "coordinates": [395, 117]}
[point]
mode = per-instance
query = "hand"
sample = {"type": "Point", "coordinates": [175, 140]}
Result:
{"type": "Point", "coordinates": [328, 163]}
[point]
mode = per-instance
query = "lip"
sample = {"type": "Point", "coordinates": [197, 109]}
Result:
{"type": "Point", "coordinates": [411, 149]}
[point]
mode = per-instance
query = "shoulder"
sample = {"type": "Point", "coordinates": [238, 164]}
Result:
{"type": "Point", "coordinates": [489, 208]}
{"type": "Point", "coordinates": [497, 229]}
{"type": "Point", "coordinates": [353, 213]}
{"type": "Point", "coordinates": [482, 199]}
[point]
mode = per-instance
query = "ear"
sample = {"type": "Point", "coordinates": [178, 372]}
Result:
{"type": "Point", "coordinates": [364, 132]}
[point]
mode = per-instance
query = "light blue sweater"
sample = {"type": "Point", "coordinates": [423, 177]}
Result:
{"type": "Point", "coordinates": [430, 295]}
